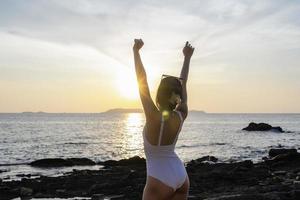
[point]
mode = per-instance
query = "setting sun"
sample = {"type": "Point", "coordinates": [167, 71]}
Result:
{"type": "Point", "coordinates": [127, 86]}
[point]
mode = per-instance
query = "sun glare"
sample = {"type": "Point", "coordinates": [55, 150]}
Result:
{"type": "Point", "coordinates": [127, 86]}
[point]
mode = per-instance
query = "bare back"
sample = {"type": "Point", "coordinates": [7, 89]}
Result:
{"type": "Point", "coordinates": [170, 127]}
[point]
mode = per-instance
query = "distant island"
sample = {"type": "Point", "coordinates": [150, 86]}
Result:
{"type": "Point", "coordinates": [124, 110]}
{"type": "Point", "coordinates": [29, 112]}
{"type": "Point", "coordinates": [113, 110]}
{"type": "Point", "coordinates": [198, 111]}
{"type": "Point", "coordinates": [138, 110]}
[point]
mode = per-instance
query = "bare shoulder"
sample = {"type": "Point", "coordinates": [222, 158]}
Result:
{"type": "Point", "coordinates": [153, 116]}
{"type": "Point", "coordinates": [182, 108]}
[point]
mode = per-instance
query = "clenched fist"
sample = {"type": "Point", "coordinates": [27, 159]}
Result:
{"type": "Point", "coordinates": [188, 50]}
{"type": "Point", "coordinates": [138, 44]}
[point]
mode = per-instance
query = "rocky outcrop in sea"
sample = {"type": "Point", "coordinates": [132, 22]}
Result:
{"type": "Point", "coordinates": [263, 127]}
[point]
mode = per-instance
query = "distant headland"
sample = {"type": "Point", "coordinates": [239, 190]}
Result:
{"type": "Point", "coordinates": [138, 110]}
{"type": "Point", "coordinates": [113, 110]}
{"type": "Point", "coordinates": [124, 110]}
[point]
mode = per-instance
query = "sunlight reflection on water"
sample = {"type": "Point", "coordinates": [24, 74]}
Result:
{"type": "Point", "coordinates": [132, 134]}
{"type": "Point", "coordinates": [103, 136]}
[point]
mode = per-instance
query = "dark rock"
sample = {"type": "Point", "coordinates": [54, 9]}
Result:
{"type": "Point", "coordinates": [61, 192]}
{"type": "Point", "coordinates": [98, 187]}
{"type": "Point", "coordinates": [3, 170]}
{"type": "Point", "coordinates": [276, 152]}
{"type": "Point", "coordinates": [51, 162]}
{"type": "Point", "coordinates": [59, 162]}
{"type": "Point", "coordinates": [206, 158]}
{"type": "Point", "coordinates": [278, 173]}
{"type": "Point", "coordinates": [116, 197]}
{"type": "Point", "coordinates": [24, 175]}
{"type": "Point", "coordinates": [4, 189]}
{"type": "Point", "coordinates": [24, 192]}
{"type": "Point", "coordinates": [81, 161]}
{"type": "Point", "coordinates": [284, 157]}
{"type": "Point", "coordinates": [272, 179]}
{"type": "Point", "coordinates": [243, 166]}
{"type": "Point", "coordinates": [136, 160]}
{"type": "Point", "coordinates": [262, 127]}
{"type": "Point", "coordinates": [97, 196]}
{"type": "Point", "coordinates": [296, 194]}
{"type": "Point", "coordinates": [237, 197]}
{"type": "Point", "coordinates": [133, 174]}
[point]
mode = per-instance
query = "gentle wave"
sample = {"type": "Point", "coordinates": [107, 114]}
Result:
{"type": "Point", "coordinates": [24, 138]}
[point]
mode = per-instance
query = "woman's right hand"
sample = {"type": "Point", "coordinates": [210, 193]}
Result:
{"type": "Point", "coordinates": [138, 44]}
{"type": "Point", "coordinates": [188, 50]}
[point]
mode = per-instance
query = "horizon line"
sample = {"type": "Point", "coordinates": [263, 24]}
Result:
{"type": "Point", "coordinates": [203, 112]}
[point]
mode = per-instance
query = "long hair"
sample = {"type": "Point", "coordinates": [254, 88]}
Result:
{"type": "Point", "coordinates": [167, 86]}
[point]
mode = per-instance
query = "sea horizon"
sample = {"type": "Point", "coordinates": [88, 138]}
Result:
{"type": "Point", "coordinates": [140, 110]}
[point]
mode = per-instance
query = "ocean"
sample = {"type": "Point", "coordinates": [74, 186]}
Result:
{"type": "Point", "coordinates": [25, 137]}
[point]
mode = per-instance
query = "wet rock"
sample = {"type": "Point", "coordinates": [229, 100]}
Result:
{"type": "Point", "coordinates": [136, 160]}
{"type": "Point", "coordinates": [4, 189]}
{"type": "Point", "coordinates": [60, 192]}
{"type": "Point", "coordinates": [24, 175]}
{"type": "Point", "coordinates": [97, 197]}
{"type": "Point", "coordinates": [51, 162]}
{"type": "Point", "coordinates": [99, 187]}
{"type": "Point", "coordinates": [262, 127]}
{"type": "Point", "coordinates": [81, 161]}
{"type": "Point", "coordinates": [3, 170]}
{"type": "Point", "coordinates": [275, 178]}
{"type": "Point", "coordinates": [116, 197]}
{"type": "Point", "coordinates": [206, 158]}
{"type": "Point", "coordinates": [59, 162]}
{"type": "Point", "coordinates": [276, 152]}
{"type": "Point", "coordinates": [24, 192]}
{"type": "Point", "coordinates": [236, 197]}
{"type": "Point", "coordinates": [291, 159]}
{"type": "Point", "coordinates": [278, 173]}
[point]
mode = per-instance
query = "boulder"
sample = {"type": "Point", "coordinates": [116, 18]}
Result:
{"type": "Point", "coordinates": [262, 127]}
{"type": "Point", "coordinates": [283, 157]}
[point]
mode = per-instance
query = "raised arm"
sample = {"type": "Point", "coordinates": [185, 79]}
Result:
{"type": "Point", "coordinates": [147, 102]}
{"type": "Point", "coordinates": [188, 51]}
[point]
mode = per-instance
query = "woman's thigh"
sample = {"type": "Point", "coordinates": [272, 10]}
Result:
{"type": "Point", "coordinates": [156, 190]}
{"type": "Point", "coordinates": [182, 192]}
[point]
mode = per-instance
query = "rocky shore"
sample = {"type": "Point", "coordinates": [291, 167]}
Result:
{"type": "Point", "coordinates": [276, 177]}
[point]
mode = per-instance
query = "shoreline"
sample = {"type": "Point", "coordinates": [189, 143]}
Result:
{"type": "Point", "coordinates": [275, 177]}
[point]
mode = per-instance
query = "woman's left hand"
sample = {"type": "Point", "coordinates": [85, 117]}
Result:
{"type": "Point", "coordinates": [188, 50]}
{"type": "Point", "coordinates": [138, 44]}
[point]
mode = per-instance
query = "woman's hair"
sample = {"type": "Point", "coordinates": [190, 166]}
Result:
{"type": "Point", "coordinates": [167, 86]}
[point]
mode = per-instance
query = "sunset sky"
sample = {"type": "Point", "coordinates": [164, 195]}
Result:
{"type": "Point", "coordinates": [76, 56]}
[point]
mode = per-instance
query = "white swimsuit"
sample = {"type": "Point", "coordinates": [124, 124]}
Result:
{"type": "Point", "coordinates": [162, 162]}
